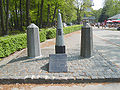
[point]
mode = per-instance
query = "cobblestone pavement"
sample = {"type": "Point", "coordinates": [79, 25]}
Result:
{"type": "Point", "coordinates": [98, 67]}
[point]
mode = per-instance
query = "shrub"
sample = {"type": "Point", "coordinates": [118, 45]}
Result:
{"type": "Point", "coordinates": [42, 36]}
{"type": "Point", "coordinates": [14, 32]}
{"type": "Point", "coordinates": [12, 43]}
{"type": "Point", "coordinates": [51, 33]}
{"type": "Point", "coordinates": [71, 29]}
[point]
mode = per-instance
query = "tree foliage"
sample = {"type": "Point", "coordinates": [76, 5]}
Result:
{"type": "Point", "coordinates": [18, 14]}
{"type": "Point", "coordinates": [110, 8]}
{"type": "Point", "coordinates": [82, 7]}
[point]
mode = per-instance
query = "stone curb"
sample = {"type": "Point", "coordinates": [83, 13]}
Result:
{"type": "Point", "coordinates": [9, 58]}
{"type": "Point", "coordinates": [57, 81]}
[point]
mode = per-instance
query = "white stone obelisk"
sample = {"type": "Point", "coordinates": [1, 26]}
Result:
{"type": "Point", "coordinates": [33, 41]}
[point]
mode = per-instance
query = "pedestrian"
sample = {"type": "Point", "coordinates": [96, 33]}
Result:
{"type": "Point", "coordinates": [105, 22]}
{"type": "Point", "coordinates": [98, 24]}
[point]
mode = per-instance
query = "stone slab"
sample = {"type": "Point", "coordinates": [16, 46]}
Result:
{"type": "Point", "coordinates": [57, 63]}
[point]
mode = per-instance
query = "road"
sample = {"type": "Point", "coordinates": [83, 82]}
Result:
{"type": "Point", "coordinates": [108, 43]}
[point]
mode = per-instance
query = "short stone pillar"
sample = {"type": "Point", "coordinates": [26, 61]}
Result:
{"type": "Point", "coordinates": [86, 41]}
{"type": "Point", "coordinates": [59, 47]}
{"type": "Point", "coordinates": [33, 41]}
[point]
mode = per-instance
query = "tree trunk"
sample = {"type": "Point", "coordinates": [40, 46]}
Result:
{"type": "Point", "coordinates": [2, 18]}
{"type": "Point", "coordinates": [38, 14]}
{"type": "Point", "coordinates": [11, 22]}
{"type": "Point", "coordinates": [78, 16]}
{"type": "Point", "coordinates": [48, 15]}
{"type": "Point", "coordinates": [21, 18]}
{"type": "Point", "coordinates": [41, 9]}
{"type": "Point", "coordinates": [14, 19]}
{"type": "Point", "coordinates": [54, 15]}
{"type": "Point", "coordinates": [16, 12]}
{"type": "Point", "coordinates": [27, 12]}
{"type": "Point", "coordinates": [7, 15]}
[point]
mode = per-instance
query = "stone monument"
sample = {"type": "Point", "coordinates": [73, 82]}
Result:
{"type": "Point", "coordinates": [58, 61]}
{"type": "Point", "coordinates": [86, 41]}
{"type": "Point", "coordinates": [59, 47]}
{"type": "Point", "coordinates": [33, 41]}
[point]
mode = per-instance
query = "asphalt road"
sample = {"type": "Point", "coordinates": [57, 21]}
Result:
{"type": "Point", "coordinates": [108, 43]}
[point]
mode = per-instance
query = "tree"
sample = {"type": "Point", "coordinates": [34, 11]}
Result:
{"type": "Point", "coordinates": [111, 7]}
{"type": "Point", "coordinates": [48, 15]}
{"type": "Point", "coordinates": [81, 7]}
{"type": "Point", "coordinates": [41, 14]}
{"type": "Point", "coordinates": [97, 13]}
{"type": "Point", "coordinates": [2, 18]}
{"type": "Point", "coordinates": [7, 16]}
{"type": "Point", "coordinates": [27, 12]}
{"type": "Point", "coordinates": [21, 18]}
{"type": "Point", "coordinates": [38, 13]}
{"type": "Point", "coordinates": [16, 15]}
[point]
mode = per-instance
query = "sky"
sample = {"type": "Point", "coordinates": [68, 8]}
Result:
{"type": "Point", "coordinates": [98, 4]}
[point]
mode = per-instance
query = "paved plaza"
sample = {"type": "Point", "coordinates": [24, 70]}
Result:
{"type": "Point", "coordinates": [103, 66]}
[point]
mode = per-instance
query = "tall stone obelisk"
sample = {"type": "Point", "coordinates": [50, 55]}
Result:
{"type": "Point", "coordinates": [60, 46]}
{"type": "Point", "coordinates": [58, 61]}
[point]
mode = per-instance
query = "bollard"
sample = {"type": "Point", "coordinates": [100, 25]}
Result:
{"type": "Point", "coordinates": [86, 41]}
{"type": "Point", "coordinates": [59, 47]}
{"type": "Point", "coordinates": [33, 41]}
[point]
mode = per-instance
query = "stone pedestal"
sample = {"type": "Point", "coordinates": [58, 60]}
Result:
{"type": "Point", "coordinates": [86, 41]}
{"type": "Point", "coordinates": [33, 41]}
{"type": "Point", "coordinates": [58, 63]}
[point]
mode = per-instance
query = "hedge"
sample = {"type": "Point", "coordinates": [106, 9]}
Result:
{"type": "Point", "coordinates": [12, 43]}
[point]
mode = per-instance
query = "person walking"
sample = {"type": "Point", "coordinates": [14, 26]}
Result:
{"type": "Point", "coordinates": [98, 24]}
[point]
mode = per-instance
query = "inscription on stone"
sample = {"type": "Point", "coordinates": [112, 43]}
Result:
{"type": "Point", "coordinates": [57, 63]}
{"type": "Point", "coordinates": [59, 32]}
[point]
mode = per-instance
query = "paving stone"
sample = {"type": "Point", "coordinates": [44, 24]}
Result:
{"type": "Point", "coordinates": [94, 77]}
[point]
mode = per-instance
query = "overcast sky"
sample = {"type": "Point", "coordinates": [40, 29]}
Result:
{"type": "Point", "coordinates": [98, 4]}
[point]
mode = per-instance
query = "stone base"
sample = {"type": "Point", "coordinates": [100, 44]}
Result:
{"type": "Point", "coordinates": [58, 63]}
{"type": "Point", "coordinates": [59, 49]}
{"type": "Point", "coordinates": [35, 57]}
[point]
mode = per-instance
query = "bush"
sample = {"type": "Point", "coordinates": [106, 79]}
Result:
{"type": "Point", "coordinates": [14, 32]}
{"type": "Point", "coordinates": [12, 43]}
{"type": "Point", "coordinates": [71, 29]}
{"type": "Point", "coordinates": [42, 36]}
{"type": "Point", "coordinates": [51, 33]}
